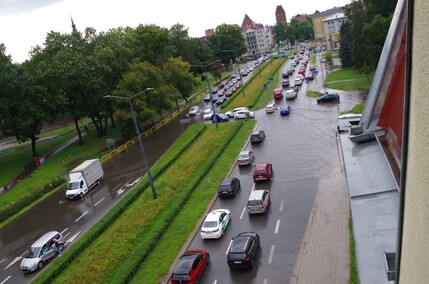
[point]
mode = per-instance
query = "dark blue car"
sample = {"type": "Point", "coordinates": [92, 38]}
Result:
{"type": "Point", "coordinates": [284, 110]}
{"type": "Point", "coordinates": [220, 117]}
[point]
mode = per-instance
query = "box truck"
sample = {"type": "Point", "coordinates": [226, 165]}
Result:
{"type": "Point", "coordinates": [83, 178]}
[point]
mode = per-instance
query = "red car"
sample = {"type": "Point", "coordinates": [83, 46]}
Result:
{"type": "Point", "coordinates": [262, 171]}
{"type": "Point", "coordinates": [190, 267]}
{"type": "Point", "coordinates": [278, 93]}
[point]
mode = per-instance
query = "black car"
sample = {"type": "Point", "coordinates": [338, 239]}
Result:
{"type": "Point", "coordinates": [329, 98]}
{"type": "Point", "coordinates": [257, 136]}
{"type": "Point", "coordinates": [285, 83]}
{"type": "Point", "coordinates": [228, 187]}
{"type": "Point", "coordinates": [285, 75]}
{"type": "Point", "coordinates": [243, 250]}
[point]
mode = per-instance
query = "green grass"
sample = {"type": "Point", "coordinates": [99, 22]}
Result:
{"type": "Point", "coordinates": [313, 59]}
{"type": "Point", "coordinates": [354, 279]}
{"type": "Point", "coordinates": [352, 85]}
{"type": "Point", "coordinates": [313, 94]}
{"type": "Point", "coordinates": [356, 109]}
{"type": "Point", "coordinates": [347, 74]}
{"type": "Point", "coordinates": [98, 262]}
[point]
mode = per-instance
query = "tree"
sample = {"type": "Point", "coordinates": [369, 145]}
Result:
{"type": "Point", "coordinates": [376, 32]}
{"type": "Point", "coordinates": [23, 105]}
{"type": "Point", "coordinates": [280, 31]}
{"type": "Point", "coordinates": [346, 47]}
{"type": "Point", "coordinates": [357, 15]}
{"type": "Point", "coordinates": [176, 73]}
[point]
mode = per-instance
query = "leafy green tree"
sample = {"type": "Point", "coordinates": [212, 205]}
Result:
{"type": "Point", "coordinates": [357, 14]}
{"type": "Point", "coordinates": [24, 106]}
{"type": "Point", "coordinates": [346, 46]}
{"type": "Point", "coordinates": [376, 32]}
{"type": "Point", "coordinates": [176, 73]}
{"type": "Point", "coordinates": [280, 31]}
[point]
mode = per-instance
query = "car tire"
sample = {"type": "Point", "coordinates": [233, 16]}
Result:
{"type": "Point", "coordinates": [40, 265]}
{"type": "Point", "coordinates": [251, 264]}
{"type": "Point", "coordinates": [197, 280]}
{"type": "Point", "coordinates": [236, 118]}
{"type": "Point", "coordinates": [208, 259]}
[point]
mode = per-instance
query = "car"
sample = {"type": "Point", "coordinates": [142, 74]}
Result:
{"type": "Point", "coordinates": [219, 117]}
{"type": "Point", "coordinates": [310, 76]}
{"type": "Point", "coordinates": [190, 267]}
{"type": "Point", "coordinates": [220, 100]}
{"type": "Point", "coordinates": [329, 97]}
{"type": "Point", "coordinates": [258, 202]}
{"type": "Point", "coordinates": [193, 111]}
{"type": "Point", "coordinates": [257, 136]}
{"type": "Point", "coordinates": [231, 113]}
{"type": "Point", "coordinates": [262, 171]}
{"type": "Point", "coordinates": [228, 187]}
{"type": "Point", "coordinates": [285, 83]}
{"type": "Point", "coordinates": [244, 114]}
{"type": "Point", "coordinates": [220, 93]}
{"type": "Point", "coordinates": [228, 92]}
{"type": "Point", "coordinates": [278, 93]}
{"type": "Point", "coordinates": [243, 250]}
{"type": "Point", "coordinates": [270, 108]}
{"type": "Point", "coordinates": [284, 110]}
{"type": "Point", "coordinates": [207, 98]}
{"type": "Point", "coordinates": [312, 67]}
{"type": "Point", "coordinates": [215, 98]}
{"type": "Point", "coordinates": [291, 93]}
{"type": "Point", "coordinates": [215, 90]}
{"type": "Point", "coordinates": [298, 82]}
{"type": "Point", "coordinates": [207, 114]}
{"type": "Point", "coordinates": [285, 75]}
{"type": "Point", "coordinates": [301, 72]}
{"type": "Point", "coordinates": [215, 224]}
{"type": "Point", "coordinates": [290, 71]}
{"type": "Point", "coordinates": [245, 158]}
{"type": "Point", "coordinates": [42, 252]}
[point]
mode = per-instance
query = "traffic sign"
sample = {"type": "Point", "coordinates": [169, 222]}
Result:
{"type": "Point", "coordinates": [315, 72]}
{"type": "Point", "coordinates": [270, 79]}
{"type": "Point", "coordinates": [265, 87]}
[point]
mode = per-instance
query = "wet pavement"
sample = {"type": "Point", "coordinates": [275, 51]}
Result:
{"type": "Point", "coordinates": [302, 148]}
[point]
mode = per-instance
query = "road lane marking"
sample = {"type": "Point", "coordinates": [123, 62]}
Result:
{"type": "Point", "coordinates": [265, 281]}
{"type": "Point", "coordinates": [215, 281]}
{"type": "Point", "coordinates": [120, 191]}
{"type": "Point", "coordinates": [277, 227]}
{"type": "Point", "coordinates": [270, 258]}
{"type": "Point", "coordinates": [242, 213]}
{"type": "Point", "coordinates": [133, 183]}
{"type": "Point", "coordinates": [71, 239]}
{"type": "Point", "coordinates": [253, 187]}
{"type": "Point", "coordinates": [281, 205]}
{"type": "Point", "coordinates": [62, 233]}
{"type": "Point", "coordinates": [98, 202]}
{"type": "Point", "coordinates": [4, 281]}
{"type": "Point", "coordinates": [2, 260]}
{"type": "Point", "coordinates": [38, 232]}
{"type": "Point", "coordinates": [13, 262]}
{"type": "Point", "coordinates": [81, 216]}
{"type": "Point", "coordinates": [230, 244]}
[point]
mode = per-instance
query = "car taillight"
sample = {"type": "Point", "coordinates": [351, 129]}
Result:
{"type": "Point", "coordinates": [247, 259]}
{"type": "Point", "coordinates": [216, 230]}
{"type": "Point", "coordinates": [263, 206]}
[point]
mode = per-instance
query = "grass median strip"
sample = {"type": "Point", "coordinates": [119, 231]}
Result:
{"type": "Point", "coordinates": [144, 221]}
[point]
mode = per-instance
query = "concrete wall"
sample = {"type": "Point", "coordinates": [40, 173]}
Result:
{"type": "Point", "coordinates": [414, 266]}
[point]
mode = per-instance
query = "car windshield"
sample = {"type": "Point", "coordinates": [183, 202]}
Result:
{"type": "Point", "coordinates": [260, 172]}
{"type": "Point", "coordinates": [207, 111]}
{"type": "Point", "coordinates": [237, 256]}
{"type": "Point", "coordinates": [243, 156]}
{"type": "Point", "coordinates": [33, 252]}
{"type": "Point", "coordinates": [210, 224]}
{"type": "Point", "coordinates": [224, 187]}
{"type": "Point", "coordinates": [254, 202]}
{"type": "Point", "coordinates": [72, 185]}
{"type": "Point", "coordinates": [180, 276]}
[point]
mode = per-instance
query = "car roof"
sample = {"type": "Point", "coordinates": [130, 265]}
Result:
{"type": "Point", "coordinates": [213, 215]}
{"type": "Point", "coordinates": [227, 181]}
{"type": "Point", "coordinates": [46, 237]}
{"type": "Point", "coordinates": [245, 152]}
{"type": "Point", "coordinates": [185, 262]}
{"type": "Point", "coordinates": [241, 240]}
{"type": "Point", "coordinates": [261, 165]}
{"type": "Point", "coordinates": [256, 131]}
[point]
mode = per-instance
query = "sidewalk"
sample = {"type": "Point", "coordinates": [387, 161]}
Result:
{"type": "Point", "coordinates": [324, 253]}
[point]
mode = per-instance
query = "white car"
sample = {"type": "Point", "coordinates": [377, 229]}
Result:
{"type": "Point", "coordinates": [298, 82]}
{"type": "Point", "coordinates": [245, 158]}
{"type": "Point", "coordinates": [193, 111]}
{"type": "Point", "coordinates": [207, 114]}
{"type": "Point", "coordinates": [270, 108]}
{"type": "Point", "coordinates": [244, 114]}
{"type": "Point", "coordinates": [290, 94]}
{"type": "Point", "coordinates": [215, 224]}
{"type": "Point", "coordinates": [232, 113]}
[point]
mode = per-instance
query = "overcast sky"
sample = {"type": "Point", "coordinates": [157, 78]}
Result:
{"type": "Point", "coordinates": [25, 23]}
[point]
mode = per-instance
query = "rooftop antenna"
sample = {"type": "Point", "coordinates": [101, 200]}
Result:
{"type": "Point", "coordinates": [73, 25]}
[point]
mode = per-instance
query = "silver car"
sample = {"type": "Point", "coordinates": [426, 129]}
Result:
{"type": "Point", "coordinates": [245, 158]}
{"type": "Point", "coordinates": [258, 202]}
{"type": "Point", "coordinates": [41, 252]}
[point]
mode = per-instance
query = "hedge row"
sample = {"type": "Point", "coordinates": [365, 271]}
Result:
{"type": "Point", "coordinates": [130, 266]}
{"type": "Point", "coordinates": [256, 98]}
{"type": "Point", "coordinates": [58, 266]}
{"type": "Point", "coordinates": [13, 208]}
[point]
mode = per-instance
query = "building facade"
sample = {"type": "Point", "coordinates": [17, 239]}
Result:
{"type": "Point", "coordinates": [257, 37]}
{"type": "Point", "coordinates": [280, 15]}
{"type": "Point", "coordinates": [332, 27]}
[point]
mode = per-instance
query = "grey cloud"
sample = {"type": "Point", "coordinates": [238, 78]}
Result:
{"type": "Point", "coordinates": [10, 7]}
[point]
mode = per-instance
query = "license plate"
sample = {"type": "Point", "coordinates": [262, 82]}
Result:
{"type": "Point", "coordinates": [238, 262]}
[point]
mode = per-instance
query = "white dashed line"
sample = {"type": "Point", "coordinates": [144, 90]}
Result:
{"type": "Point", "coordinates": [281, 205]}
{"type": "Point", "coordinates": [270, 258]}
{"type": "Point", "coordinates": [227, 250]}
{"type": "Point", "coordinates": [62, 233]}
{"type": "Point", "coordinates": [4, 281]}
{"type": "Point", "coordinates": [81, 216]}
{"type": "Point", "coordinates": [242, 213]}
{"type": "Point", "coordinates": [215, 282]}
{"type": "Point", "coordinates": [277, 227]}
{"type": "Point", "coordinates": [98, 202]}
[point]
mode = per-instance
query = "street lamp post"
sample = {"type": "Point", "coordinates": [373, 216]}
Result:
{"type": "Point", "coordinates": [238, 65]}
{"type": "Point", "coordinates": [208, 86]}
{"type": "Point", "coordinates": [154, 194]}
